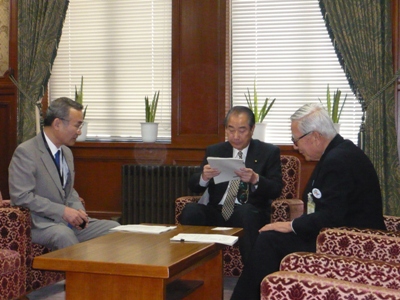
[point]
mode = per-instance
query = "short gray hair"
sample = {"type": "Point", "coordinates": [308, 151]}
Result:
{"type": "Point", "coordinates": [314, 117]}
{"type": "Point", "coordinates": [59, 108]}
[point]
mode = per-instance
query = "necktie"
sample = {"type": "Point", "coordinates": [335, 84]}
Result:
{"type": "Point", "coordinates": [57, 159]}
{"type": "Point", "coordinates": [229, 203]}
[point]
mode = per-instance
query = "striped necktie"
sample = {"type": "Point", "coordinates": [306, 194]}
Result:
{"type": "Point", "coordinates": [229, 203]}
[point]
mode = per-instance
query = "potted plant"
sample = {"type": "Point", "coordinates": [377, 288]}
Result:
{"type": "Point", "coordinates": [149, 128]}
{"type": "Point", "coordinates": [332, 106]}
{"type": "Point", "coordinates": [79, 99]}
{"type": "Point", "coordinates": [259, 113]}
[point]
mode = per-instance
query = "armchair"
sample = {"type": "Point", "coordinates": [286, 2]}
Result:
{"type": "Point", "coordinates": [291, 285]}
{"type": "Point", "coordinates": [285, 208]}
{"type": "Point", "coordinates": [356, 256]}
{"type": "Point", "coordinates": [12, 253]}
{"type": "Point", "coordinates": [352, 269]}
{"type": "Point", "coordinates": [361, 243]}
{"type": "Point", "coordinates": [15, 228]}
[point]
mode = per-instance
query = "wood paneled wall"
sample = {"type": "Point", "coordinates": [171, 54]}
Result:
{"type": "Point", "coordinates": [8, 105]}
{"type": "Point", "coordinates": [99, 176]}
{"type": "Point", "coordinates": [198, 72]}
{"type": "Point", "coordinates": [7, 131]}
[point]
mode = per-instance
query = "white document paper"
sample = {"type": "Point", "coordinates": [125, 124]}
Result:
{"type": "Point", "coordinates": [227, 166]}
{"type": "Point", "coordinates": [205, 238]}
{"type": "Point", "coordinates": [222, 228]}
{"type": "Point", "coordinates": [153, 229]}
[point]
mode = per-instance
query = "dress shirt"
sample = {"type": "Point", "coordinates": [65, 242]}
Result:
{"type": "Point", "coordinates": [63, 165]}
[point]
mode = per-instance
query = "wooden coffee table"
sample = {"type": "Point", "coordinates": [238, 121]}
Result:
{"type": "Point", "coordinates": [124, 265]}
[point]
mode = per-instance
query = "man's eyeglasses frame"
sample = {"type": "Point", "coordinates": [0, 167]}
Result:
{"type": "Point", "coordinates": [295, 141]}
{"type": "Point", "coordinates": [77, 127]}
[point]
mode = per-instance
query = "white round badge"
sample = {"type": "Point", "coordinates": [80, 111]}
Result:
{"type": "Point", "coordinates": [317, 193]}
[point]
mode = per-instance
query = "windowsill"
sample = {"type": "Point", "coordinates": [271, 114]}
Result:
{"type": "Point", "coordinates": [137, 143]}
{"type": "Point", "coordinates": [121, 139]}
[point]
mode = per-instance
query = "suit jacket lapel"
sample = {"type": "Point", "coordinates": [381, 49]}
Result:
{"type": "Point", "coordinates": [252, 155]}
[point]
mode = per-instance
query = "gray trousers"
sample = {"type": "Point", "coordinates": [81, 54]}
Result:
{"type": "Point", "coordinates": [60, 236]}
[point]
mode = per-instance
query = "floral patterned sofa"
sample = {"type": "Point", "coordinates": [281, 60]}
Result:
{"type": "Point", "coordinates": [12, 260]}
{"type": "Point", "coordinates": [15, 235]}
{"type": "Point", "coordinates": [291, 285]}
{"type": "Point", "coordinates": [358, 263]}
{"type": "Point", "coordinates": [285, 208]}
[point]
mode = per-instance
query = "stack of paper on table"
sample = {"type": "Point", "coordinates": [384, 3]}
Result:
{"type": "Point", "coordinates": [205, 238]}
{"type": "Point", "coordinates": [143, 228]}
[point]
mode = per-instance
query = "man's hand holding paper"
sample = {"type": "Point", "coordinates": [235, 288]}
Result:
{"type": "Point", "coordinates": [225, 169]}
{"type": "Point", "coordinates": [209, 172]}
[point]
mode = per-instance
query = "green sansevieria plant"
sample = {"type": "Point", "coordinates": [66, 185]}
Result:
{"type": "Point", "coordinates": [259, 114]}
{"type": "Point", "coordinates": [332, 104]}
{"type": "Point", "coordinates": [79, 97]}
{"type": "Point", "coordinates": [151, 108]}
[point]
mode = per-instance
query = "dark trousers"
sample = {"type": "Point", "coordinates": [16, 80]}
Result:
{"type": "Point", "coordinates": [268, 251]}
{"type": "Point", "coordinates": [246, 216]}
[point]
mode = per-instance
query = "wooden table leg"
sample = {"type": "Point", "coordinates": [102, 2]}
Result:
{"type": "Point", "coordinates": [211, 273]}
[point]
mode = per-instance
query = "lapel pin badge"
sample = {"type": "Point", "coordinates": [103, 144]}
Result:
{"type": "Point", "coordinates": [316, 193]}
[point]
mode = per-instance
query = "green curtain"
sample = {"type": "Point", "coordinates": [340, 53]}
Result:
{"type": "Point", "coordinates": [362, 35]}
{"type": "Point", "coordinates": [39, 30]}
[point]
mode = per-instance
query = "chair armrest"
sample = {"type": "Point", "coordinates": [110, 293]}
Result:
{"type": "Point", "coordinates": [362, 243]}
{"type": "Point", "coordinates": [371, 272]}
{"type": "Point", "coordinates": [283, 285]}
{"type": "Point", "coordinates": [392, 223]}
{"type": "Point", "coordinates": [15, 228]}
{"type": "Point", "coordinates": [180, 204]}
{"type": "Point", "coordinates": [286, 209]}
{"type": "Point", "coordinates": [281, 210]}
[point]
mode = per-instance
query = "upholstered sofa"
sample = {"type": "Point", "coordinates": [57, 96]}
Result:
{"type": "Point", "coordinates": [347, 260]}
{"type": "Point", "coordinates": [15, 235]}
{"type": "Point", "coordinates": [291, 285]}
{"type": "Point", "coordinates": [12, 254]}
{"type": "Point", "coordinates": [285, 208]}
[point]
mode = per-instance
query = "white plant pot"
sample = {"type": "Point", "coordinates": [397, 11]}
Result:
{"type": "Point", "coordinates": [259, 131]}
{"type": "Point", "coordinates": [82, 136]}
{"type": "Point", "coordinates": [337, 127]}
{"type": "Point", "coordinates": [149, 132]}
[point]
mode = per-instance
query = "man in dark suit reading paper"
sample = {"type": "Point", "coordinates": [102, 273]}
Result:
{"type": "Point", "coordinates": [244, 202]}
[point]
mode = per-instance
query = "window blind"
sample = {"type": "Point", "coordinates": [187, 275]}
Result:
{"type": "Point", "coordinates": [284, 47]}
{"type": "Point", "coordinates": [122, 48]}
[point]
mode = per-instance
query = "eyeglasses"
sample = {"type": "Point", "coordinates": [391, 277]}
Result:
{"type": "Point", "coordinates": [78, 127]}
{"type": "Point", "coordinates": [295, 141]}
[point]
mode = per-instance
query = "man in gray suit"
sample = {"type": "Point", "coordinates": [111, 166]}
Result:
{"type": "Point", "coordinates": [41, 178]}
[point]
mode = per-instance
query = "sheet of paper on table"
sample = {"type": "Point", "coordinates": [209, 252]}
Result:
{"type": "Point", "coordinates": [205, 238]}
{"type": "Point", "coordinates": [154, 229]}
{"type": "Point", "coordinates": [227, 166]}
